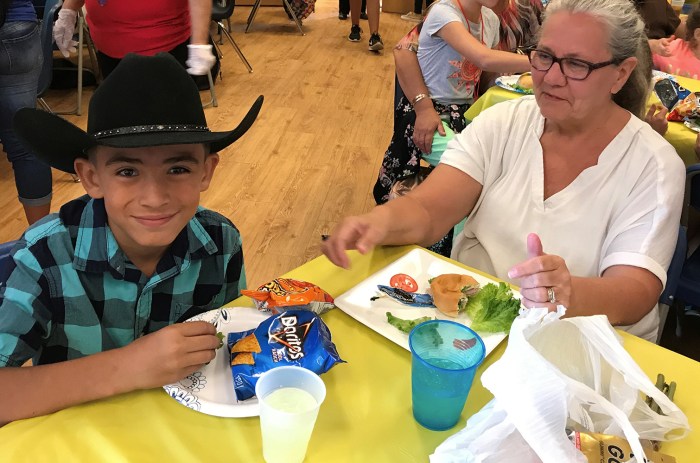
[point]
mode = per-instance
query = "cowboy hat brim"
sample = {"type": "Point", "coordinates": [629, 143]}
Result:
{"type": "Point", "coordinates": [58, 143]}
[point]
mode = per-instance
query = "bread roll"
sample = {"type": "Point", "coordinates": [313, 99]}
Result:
{"type": "Point", "coordinates": [525, 81]}
{"type": "Point", "coordinates": [450, 292]}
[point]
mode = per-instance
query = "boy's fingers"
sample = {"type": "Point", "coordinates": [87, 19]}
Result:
{"type": "Point", "coordinates": [202, 343]}
{"type": "Point", "coordinates": [194, 360]}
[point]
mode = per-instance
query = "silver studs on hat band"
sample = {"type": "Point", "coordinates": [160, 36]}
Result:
{"type": "Point", "coordinates": [150, 129]}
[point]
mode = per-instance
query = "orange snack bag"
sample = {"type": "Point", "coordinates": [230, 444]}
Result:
{"type": "Point", "coordinates": [284, 293]}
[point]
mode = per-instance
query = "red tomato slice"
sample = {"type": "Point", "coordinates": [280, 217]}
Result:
{"type": "Point", "coordinates": [405, 282]}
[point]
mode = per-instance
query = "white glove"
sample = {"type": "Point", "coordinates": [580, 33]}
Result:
{"type": "Point", "coordinates": [63, 30]}
{"type": "Point", "coordinates": [200, 59]}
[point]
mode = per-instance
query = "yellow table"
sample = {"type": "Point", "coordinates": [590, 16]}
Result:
{"type": "Point", "coordinates": [366, 415]}
{"type": "Point", "coordinates": [678, 135]}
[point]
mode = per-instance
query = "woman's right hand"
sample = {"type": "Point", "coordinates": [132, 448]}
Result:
{"type": "Point", "coordinates": [427, 122]}
{"type": "Point", "coordinates": [361, 232]}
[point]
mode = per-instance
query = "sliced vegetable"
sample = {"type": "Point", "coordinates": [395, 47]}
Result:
{"type": "Point", "coordinates": [493, 308]}
{"type": "Point", "coordinates": [220, 335]}
{"type": "Point", "coordinates": [403, 281]}
{"type": "Point", "coordinates": [405, 325]}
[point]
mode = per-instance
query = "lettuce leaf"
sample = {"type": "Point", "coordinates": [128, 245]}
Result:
{"type": "Point", "coordinates": [405, 325]}
{"type": "Point", "coordinates": [493, 308]}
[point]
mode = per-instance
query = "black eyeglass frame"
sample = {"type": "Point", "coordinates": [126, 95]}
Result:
{"type": "Point", "coordinates": [591, 66]}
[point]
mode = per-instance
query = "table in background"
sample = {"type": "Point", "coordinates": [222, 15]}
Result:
{"type": "Point", "coordinates": [366, 415]}
{"type": "Point", "coordinates": [678, 135]}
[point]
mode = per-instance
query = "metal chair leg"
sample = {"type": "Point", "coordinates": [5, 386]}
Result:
{"type": "Point", "coordinates": [294, 16]}
{"type": "Point", "coordinates": [235, 47]}
{"type": "Point", "coordinates": [213, 102]}
{"type": "Point", "coordinates": [251, 17]}
{"type": "Point", "coordinates": [218, 50]}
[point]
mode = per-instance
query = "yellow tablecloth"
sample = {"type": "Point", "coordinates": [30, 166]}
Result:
{"type": "Point", "coordinates": [366, 416]}
{"type": "Point", "coordinates": [678, 135]}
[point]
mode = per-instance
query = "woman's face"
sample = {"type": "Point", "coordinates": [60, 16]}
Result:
{"type": "Point", "coordinates": [580, 36]}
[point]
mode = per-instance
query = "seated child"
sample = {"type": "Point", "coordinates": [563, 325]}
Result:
{"type": "Point", "coordinates": [683, 56]}
{"type": "Point", "coordinates": [97, 290]}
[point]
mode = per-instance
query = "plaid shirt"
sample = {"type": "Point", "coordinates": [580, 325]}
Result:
{"type": "Point", "coordinates": [72, 291]}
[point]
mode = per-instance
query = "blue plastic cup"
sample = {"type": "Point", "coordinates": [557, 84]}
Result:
{"type": "Point", "coordinates": [444, 357]}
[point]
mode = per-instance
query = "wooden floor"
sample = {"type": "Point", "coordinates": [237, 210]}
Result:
{"type": "Point", "coordinates": [314, 152]}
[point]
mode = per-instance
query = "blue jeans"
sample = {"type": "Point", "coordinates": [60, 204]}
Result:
{"type": "Point", "coordinates": [20, 65]}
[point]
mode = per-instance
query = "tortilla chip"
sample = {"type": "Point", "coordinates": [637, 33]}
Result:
{"type": "Point", "coordinates": [243, 358]}
{"type": "Point", "coordinates": [247, 344]}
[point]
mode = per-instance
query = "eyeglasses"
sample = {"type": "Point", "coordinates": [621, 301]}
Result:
{"type": "Point", "coordinates": [576, 69]}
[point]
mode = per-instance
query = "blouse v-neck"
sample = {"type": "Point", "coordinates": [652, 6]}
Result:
{"type": "Point", "coordinates": [588, 176]}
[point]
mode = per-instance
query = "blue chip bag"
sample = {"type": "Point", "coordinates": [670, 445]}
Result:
{"type": "Point", "coordinates": [293, 337]}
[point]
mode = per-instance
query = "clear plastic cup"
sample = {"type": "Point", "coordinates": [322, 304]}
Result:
{"type": "Point", "coordinates": [289, 399]}
{"type": "Point", "coordinates": [444, 357]}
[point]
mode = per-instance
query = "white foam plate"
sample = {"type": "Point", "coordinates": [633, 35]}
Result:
{"type": "Point", "coordinates": [210, 389]}
{"type": "Point", "coordinates": [508, 82]}
{"type": "Point", "coordinates": [421, 265]}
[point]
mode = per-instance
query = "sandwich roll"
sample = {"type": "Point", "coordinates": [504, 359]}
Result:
{"type": "Point", "coordinates": [451, 292]}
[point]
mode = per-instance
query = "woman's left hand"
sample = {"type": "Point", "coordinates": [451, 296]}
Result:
{"type": "Point", "coordinates": [545, 280]}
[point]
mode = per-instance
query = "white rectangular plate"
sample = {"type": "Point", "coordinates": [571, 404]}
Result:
{"type": "Point", "coordinates": [421, 265]}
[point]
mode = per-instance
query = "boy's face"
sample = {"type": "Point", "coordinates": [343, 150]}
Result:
{"type": "Point", "coordinates": [150, 193]}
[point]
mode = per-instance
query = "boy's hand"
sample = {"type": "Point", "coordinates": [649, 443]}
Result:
{"type": "Point", "coordinates": [170, 354]}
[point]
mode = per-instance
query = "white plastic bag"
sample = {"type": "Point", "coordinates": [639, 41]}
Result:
{"type": "Point", "coordinates": [556, 373]}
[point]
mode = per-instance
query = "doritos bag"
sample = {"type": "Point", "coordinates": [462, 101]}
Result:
{"type": "Point", "coordinates": [293, 337]}
{"type": "Point", "coordinates": [283, 293]}
{"type": "Point", "coordinates": [689, 107]}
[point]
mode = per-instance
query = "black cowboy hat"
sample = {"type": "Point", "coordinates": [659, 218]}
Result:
{"type": "Point", "coordinates": [145, 101]}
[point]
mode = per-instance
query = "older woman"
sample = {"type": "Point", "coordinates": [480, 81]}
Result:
{"type": "Point", "coordinates": [568, 193]}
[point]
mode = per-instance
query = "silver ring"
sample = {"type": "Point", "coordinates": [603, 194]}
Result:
{"type": "Point", "coordinates": [550, 294]}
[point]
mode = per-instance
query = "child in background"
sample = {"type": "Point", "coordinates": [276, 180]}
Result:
{"type": "Point", "coordinates": [683, 55]}
{"type": "Point", "coordinates": [456, 41]}
{"type": "Point", "coordinates": [96, 291]}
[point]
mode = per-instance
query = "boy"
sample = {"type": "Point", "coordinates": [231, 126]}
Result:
{"type": "Point", "coordinates": [95, 292]}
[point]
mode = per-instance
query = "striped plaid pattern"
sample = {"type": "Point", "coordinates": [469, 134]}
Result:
{"type": "Point", "coordinates": [73, 292]}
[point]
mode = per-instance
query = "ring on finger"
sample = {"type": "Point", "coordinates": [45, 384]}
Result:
{"type": "Point", "coordinates": [551, 295]}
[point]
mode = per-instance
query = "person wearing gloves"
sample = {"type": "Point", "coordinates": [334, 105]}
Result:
{"type": "Point", "coordinates": [567, 193]}
{"type": "Point", "coordinates": [118, 27]}
{"type": "Point", "coordinates": [20, 66]}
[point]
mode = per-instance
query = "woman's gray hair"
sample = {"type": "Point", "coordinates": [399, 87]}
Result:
{"type": "Point", "coordinates": [627, 39]}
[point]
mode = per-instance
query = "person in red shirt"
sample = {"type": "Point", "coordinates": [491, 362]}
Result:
{"type": "Point", "coordinates": [118, 27]}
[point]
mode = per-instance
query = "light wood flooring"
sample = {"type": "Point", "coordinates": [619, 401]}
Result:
{"type": "Point", "coordinates": [313, 154]}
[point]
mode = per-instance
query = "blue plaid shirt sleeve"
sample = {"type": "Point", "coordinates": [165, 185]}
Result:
{"type": "Point", "coordinates": [24, 314]}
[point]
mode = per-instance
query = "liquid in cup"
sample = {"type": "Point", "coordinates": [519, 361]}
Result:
{"type": "Point", "coordinates": [289, 399]}
{"type": "Point", "coordinates": [444, 358]}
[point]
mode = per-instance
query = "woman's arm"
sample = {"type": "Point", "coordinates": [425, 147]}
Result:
{"type": "Point", "coordinates": [482, 56]}
{"type": "Point", "coordinates": [410, 78]}
{"type": "Point", "coordinates": [200, 18]}
{"type": "Point", "coordinates": [73, 4]}
{"type": "Point", "coordinates": [624, 293]}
